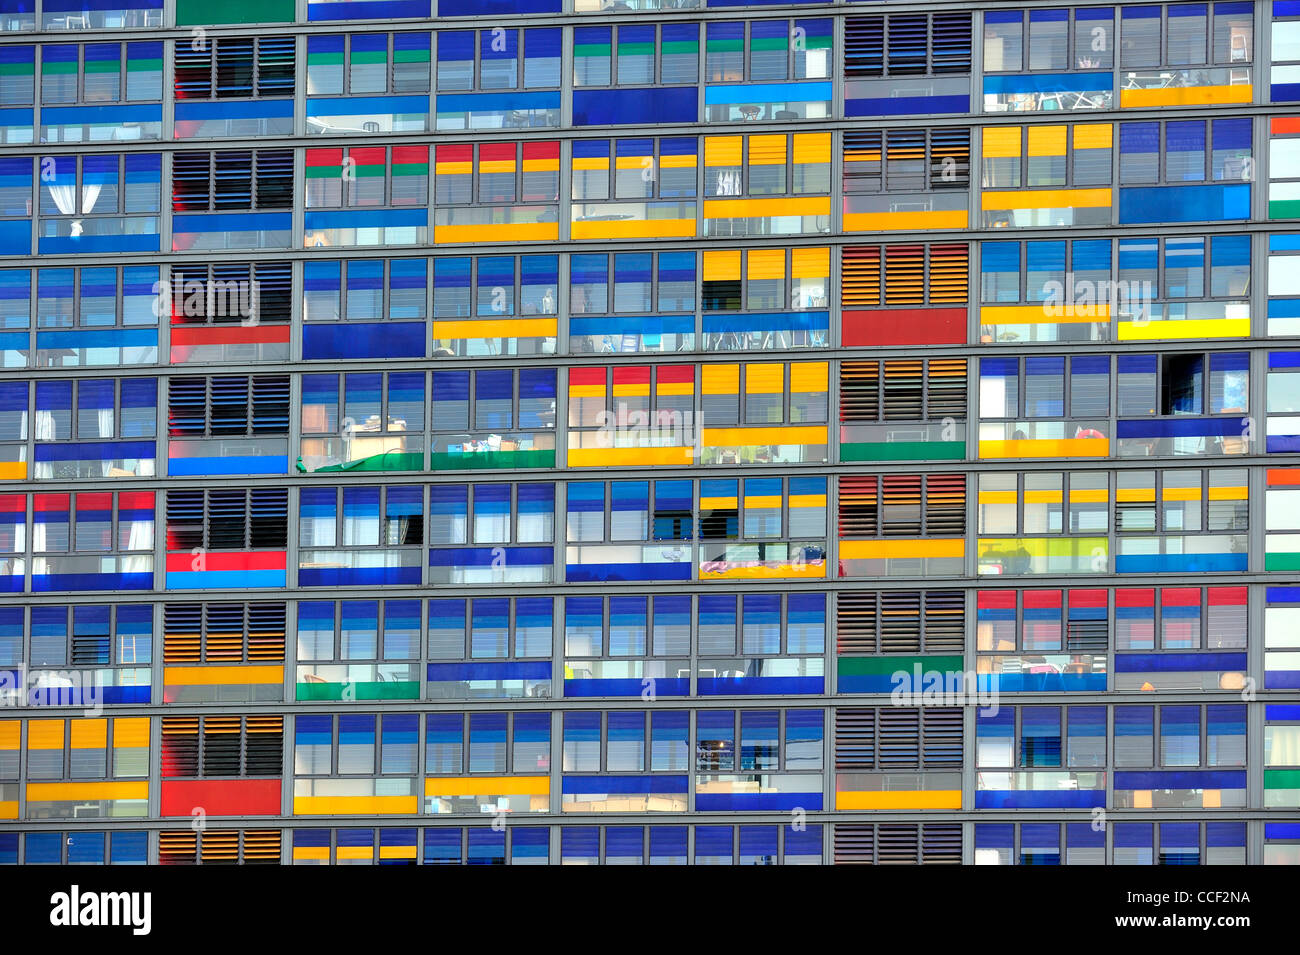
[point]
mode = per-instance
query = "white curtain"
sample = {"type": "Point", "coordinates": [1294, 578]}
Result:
{"type": "Point", "coordinates": [105, 425]}
{"type": "Point", "coordinates": [140, 538]}
{"type": "Point", "coordinates": [65, 198]}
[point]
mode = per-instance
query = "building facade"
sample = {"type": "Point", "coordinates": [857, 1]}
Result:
{"type": "Point", "coordinates": [652, 432]}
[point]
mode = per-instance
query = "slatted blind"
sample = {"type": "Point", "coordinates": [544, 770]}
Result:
{"type": "Point", "coordinates": [227, 518]}
{"type": "Point", "coordinates": [898, 843]}
{"type": "Point", "coordinates": [227, 292]}
{"type": "Point", "coordinates": [224, 632]}
{"type": "Point", "coordinates": [224, 405]}
{"type": "Point", "coordinates": [236, 67]}
{"type": "Point", "coordinates": [219, 847]}
{"type": "Point", "coordinates": [232, 180]}
{"type": "Point", "coordinates": [902, 505]}
{"type": "Point", "coordinates": [907, 44]}
{"type": "Point", "coordinates": [898, 621]}
{"type": "Point", "coordinates": [222, 746]}
{"type": "Point", "coordinates": [898, 737]}
{"type": "Point", "coordinates": [909, 275]}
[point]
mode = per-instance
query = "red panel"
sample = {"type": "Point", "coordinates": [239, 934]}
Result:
{"type": "Point", "coordinates": [905, 326]}
{"type": "Point", "coordinates": [229, 334]}
{"type": "Point", "coordinates": [221, 797]}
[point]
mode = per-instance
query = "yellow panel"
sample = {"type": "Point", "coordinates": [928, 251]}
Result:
{"type": "Point", "coordinates": [354, 852]}
{"type": "Point", "coordinates": [807, 500]}
{"type": "Point", "coordinates": [677, 162]}
{"type": "Point", "coordinates": [720, 379]}
{"type": "Point", "coordinates": [1052, 448]}
{"type": "Point", "coordinates": [1093, 136]}
{"type": "Point", "coordinates": [45, 734]}
{"type": "Point", "coordinates": [1187, 96]}
{"type": "Point", "coordinates": [929, 799]}
{"type": "Point", "coordinates": [997, 497]}
{"type": "Point", "coordinates": [777, 206]}
{"type": "Point", "coordinates": [1189, 329]}
{"type": "Point", "coordinates": [925, 547]}
{"type": "Point", "coordinates": [590, 163]}
{"type": "Point", "coordinates": [767, 150]}
{"type": "Point", "coordinates": [1047, 199]}
{"type": "Point", "coordinates": [721, 265]}
{"type": "Point", "coordinates": [88, 734]}
{"type": "Point", "coordinates": [86, 792]}
{"type": "Point", "coordinates": [1228, 494]}
{"type": "Point", "coordinates": [722, 150]}
{"type": "Point", "coordinates": [762, 500]}
{"type": "Point", "coordinates": [220, 676]}
{"type": "Point", "coordinates": [745, 437]}
{"type": "Point", "coordinates": [1096, 495]}
{"type": "Point", "coordinates": [1047, 140]}
{"type": "Point", "coordinates": [10, 731]}
{"type": "Point", "coordinates": [893, 221]}
{"type": "Point", "coordinates": [496, 165]}
{"type": "Point", "coordinates": [496, 328]}
{"type": "Point", "coordinates": [764, 379]}
{"type": "Point", "coordinates": [1002, 141]}
{"type": "Point", "coordinates": [813, 571]}
{"type": "Point", "coordinates": [765, 264]}
{"type": "Point", "coordinates": [809, 376]}
{"type": "Point", "coordinates": [630, 457]}
{"type": "Point", "coordinates": [487, 786]}
{"type": "Point", "coordinates": [1135, 495]}
{"type": "Point", "coordinates": [355, 805]}
{"type": "Point", "coordinates": [1039, 315]}
{"type": "Point", "coordinates": [397, 852]}
{"type": "Point", "coordinates": [13, 470]}
{"type": "Point", "coordinates": [811, 263]}
{"type": "Point", "coordinates": [9, 810]}
{"type": "Point", "coordinates": [311, 852]}
{"type": "Point", "coordinates": [132, 731]}
{"type": "Point", "coordinates": [812, 147]}
{"type": "Point", "coordinates": [504, 232]}
{"type": "Point", "coordinates": [716, 503]}
{"type": "Point", "coordinates": [634, 229]}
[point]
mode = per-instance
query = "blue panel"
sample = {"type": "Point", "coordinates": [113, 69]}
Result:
{"type": "Point", "coordinates": [642, 107]}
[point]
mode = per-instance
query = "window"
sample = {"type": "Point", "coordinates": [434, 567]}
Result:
{"type": "Point", "coordinates": [767, 55]}
{"type": "Point", "coordinates": [777, 283]}
{"type": "Point", "coordinates": [781, 750]}
{"type": "Point", "coordinates": [81, 428]}
{"type": "Point", "coordinates": [375, 538]}
{"type": "Point", "coordinates": [903, 179]}
{"type": "Point", "coordinates": [227, 635]}
{"type": "Point", "coordinates": [505, 533]}
{"type": "Point", "coordinates": [629, 530]}
{"type": "Point", "coordinates": [219, 847]}
{"type": "Point", "coordinates": [355, 764]}
{"type": "Point", "coordinates": [500, 638]}
{"type": "Point", "coordinates": [1055, 171]}
{"type": "Point", "coordinates": [1217, 45]}
{"type": "Point", "coordinates": [626, 741]}
{"type": "Point", "coordinates": [626, 645]}
{"type": "Point", "coordinates": [520, 76]}
{"type": "Point", "coordinates": [348, 76]}
{"type": "Point", "coordinates": [365, 308]}
{"type": "Point", "coordinates": [381, 193]}
{"type": "Point", "coordinates": [227, 181]}
{"type": "Point", "coordinates": [913, 63]}
{"type": "Point", "coordinates": [130, 15]}
{"type": "Point", "coordinates": [1054, 56]}
{"type": "Point", "coordinates": [1175, 385]}
{"type": "Point", "coordinates": [1073, 508]}
{"type": "Point", "coordinates": [740, 404]}
{"type": "Point", "coordinates": [352, 649]}
{"type": "Point", "coordinates": [75, 758]}
{"type": "Point", "coordinates": [1281, 750]}
{"type": "Point", "coordinates": [494, 418]}
{"type": "Point", "coordinates": [756, 645]}
{"type": "Point", "coordinates": [610, 194]}
{"type": "Point", "coordinates": [898, 843]}
{"type": "Point", "coordinates": [1282, 391]}
{"type": "Point", "coordinates": [1283, 173]}
{"type": "Point", "coordinates": [106, 202]}
{"type": "Point", "coordinates": [1284, 54]}
{"type": "Point", "coordinates": [495, 305]}
{"type": "Point", "coordinates": [117, 847]}
{"type": "Point", "coordinates": [929, 510]}
{"type": "Point", "coordinates": [495, 190]}
{"type": "Point", "coordinates": [1149, 622]}
{"type": "Point", "coordinates": [659, 283]}
{"type": "Point", "coordinates": [375, 424]}
{"type": "Point", "coordinates": [486, 745]}
{"type": "Point", "coordinates": [111, 646]}
{"type": "Point", "coordinates": [1168, 755]}
{"type": "Point", "coordinates": [886, 751]}
{"type": "Point", "coordinates": [1158, 160]}
{"type": "Point", "coordinates": [1057, 407]}
{"type": "Point", "coordinates": [1066, 287]}
{"type": "Point", "coordinates": [1042, 640]}
{"type": "Point", "coordinates": [772, 189]}
{"type": "Point", "coordinates": [100, 74]}
{"type": "Point", "coordinates": [1280, 515]}
{"type": "Point", "coordinates": [903, 409]}
{"type": "Point", "coordinates": [17, 89]}
{"type": "Point", "coordinates": [76, 545]}
{"type": "Point", "coordinates": [904, 294]}
{"type": "Point", "coordinates": [869, 623]}
{"type": "Point", "coordinates": [229, 311]}
{"type": "Point", "coordinates": [1040, 756]}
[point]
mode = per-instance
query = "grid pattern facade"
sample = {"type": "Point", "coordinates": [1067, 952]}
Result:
{"type": "Point", "coordinates": [653, 432]}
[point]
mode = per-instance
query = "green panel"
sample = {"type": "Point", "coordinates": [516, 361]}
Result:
{"type": "Point", "coordinates": [212, 12]}
{"type": "Point", "coordinates": [401, 690]}
{"type": "Point", "coordinates": [389, 461]}
{"type": "Point", "coordinates": [1282, 779]}
{"type": "Point", "coordinates": [878, 666]}
{"type": "Point", "coordinates": [1284, 209]}
{"type": "Point", "coordinates": [903, 451]}
{"type": "Point", "coordinates": [447, 461]}
{"type": "Point", "coordinates": [1282, 561]}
